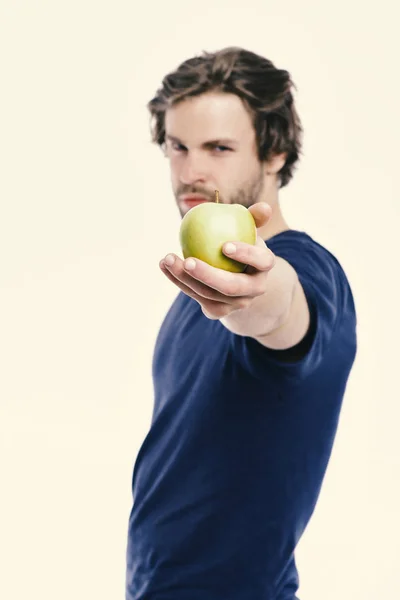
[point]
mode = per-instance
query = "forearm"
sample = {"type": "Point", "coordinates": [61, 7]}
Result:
{"type": "Point", "coordinates": [269, 311]}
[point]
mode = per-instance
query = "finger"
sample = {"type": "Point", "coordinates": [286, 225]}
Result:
{"type": "Point", "coordinates": [212, 309]}
{"type": "Point", "coordinates": [202, 290]}
{"type": "Point", "coordinates": [229, 284]}
{"type": "Point", "coordinates": [261, 212]}
{"type": "Point", "coordinates": [186, 289]}
{"type": "Point", "coordinates": [258, 256]}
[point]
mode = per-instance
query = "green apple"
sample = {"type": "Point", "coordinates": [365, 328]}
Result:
{"type": "Point", "coordinates": [207, 226]}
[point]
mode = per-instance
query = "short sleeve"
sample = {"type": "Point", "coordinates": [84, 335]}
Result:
{"type": "Point", "coordinates": [326, 289]}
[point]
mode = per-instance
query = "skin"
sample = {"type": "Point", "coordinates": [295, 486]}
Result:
{"type": "Point", "coordinates": [211, 144]}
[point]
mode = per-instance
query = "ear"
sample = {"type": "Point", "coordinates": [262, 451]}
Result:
{"type": "Point", "coordinates": [275, 163]}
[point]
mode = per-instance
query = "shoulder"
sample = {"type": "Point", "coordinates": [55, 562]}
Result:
{"type": "Point", "coordinates": [318, 269]}
{"type": "Point", "coordinates": [299, 247]}
{"type": "Point", "coordinates": [325, 289]}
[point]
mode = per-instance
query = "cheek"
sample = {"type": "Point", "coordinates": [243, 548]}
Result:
{"type": "Point", "coordinates": [234, 172]}
{"type": "Point", "coordinates": [174, 168]}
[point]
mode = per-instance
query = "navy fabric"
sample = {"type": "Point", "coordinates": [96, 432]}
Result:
{"type": "Point", "coordinates": [229, 473]}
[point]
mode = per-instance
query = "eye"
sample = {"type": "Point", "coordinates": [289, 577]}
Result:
{"type": "Point", "coordinates": [177, 147]}
{"type": "Point", "coordinates": [221, 149]}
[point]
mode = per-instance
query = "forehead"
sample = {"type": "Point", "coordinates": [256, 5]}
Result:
{"type": "Point", "coordinates": [210, 115]}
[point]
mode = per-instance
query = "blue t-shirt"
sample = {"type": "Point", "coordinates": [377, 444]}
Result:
{"type": "Point", "coordinates": [229, 473]}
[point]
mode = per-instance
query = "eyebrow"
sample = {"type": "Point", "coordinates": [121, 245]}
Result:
{"type": "Point", "coordinates": [216, 142]}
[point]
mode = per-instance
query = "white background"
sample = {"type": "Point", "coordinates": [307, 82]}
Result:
{"type": "Point", "coordinates": [86, 214]}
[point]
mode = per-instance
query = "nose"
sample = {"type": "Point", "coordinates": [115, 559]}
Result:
{"type": "Point", "coordinates": [192, 170]}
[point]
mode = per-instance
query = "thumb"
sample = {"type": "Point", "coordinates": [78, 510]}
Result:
{"type": "Point", "coordinates": [261, 212]}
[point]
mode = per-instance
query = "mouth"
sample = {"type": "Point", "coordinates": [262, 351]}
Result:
{"type": "Point", "coordinates": [190, 201]}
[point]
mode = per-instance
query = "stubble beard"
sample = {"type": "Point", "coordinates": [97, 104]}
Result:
{"type": "Point", "coordinates": [251, 192]}
{"type": "Point", "coordinates": [247, 195]}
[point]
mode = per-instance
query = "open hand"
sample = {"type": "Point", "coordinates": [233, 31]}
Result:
{"type": "Point", "coordinates": [221, 292]}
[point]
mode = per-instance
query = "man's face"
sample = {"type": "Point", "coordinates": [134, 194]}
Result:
{"type": "Point", "coordinates": [211, 145]}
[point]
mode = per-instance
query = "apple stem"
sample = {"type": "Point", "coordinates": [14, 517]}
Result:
{"type": "Point", "coordinates": [217, 196]}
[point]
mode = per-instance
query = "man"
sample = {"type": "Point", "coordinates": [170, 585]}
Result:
{"type": "Point", "coordinates": [249, 368]}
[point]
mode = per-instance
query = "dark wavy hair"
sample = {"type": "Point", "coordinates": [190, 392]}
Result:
{"type": "Point", "coordinates": [264, 90]}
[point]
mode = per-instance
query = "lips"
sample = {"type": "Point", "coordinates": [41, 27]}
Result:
{"type": "Point", "coordinates": [191, 201]}
{"type": "Point", "coordinates": [194, 197]}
